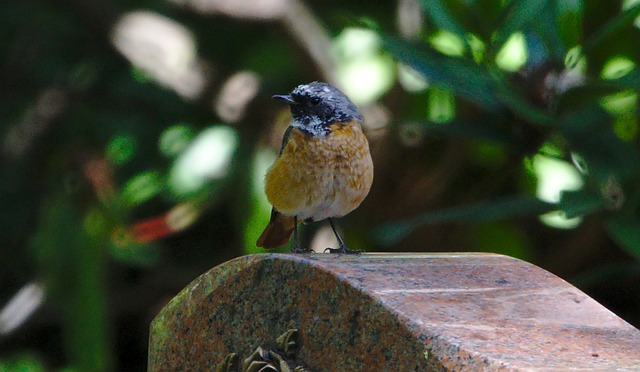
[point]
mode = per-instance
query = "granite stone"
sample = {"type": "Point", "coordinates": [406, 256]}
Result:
{"type": "Point", "coordinates": [396, 311]}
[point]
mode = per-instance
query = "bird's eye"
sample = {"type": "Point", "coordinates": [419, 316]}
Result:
{"type": "Point", "coordinates": [314, 101]}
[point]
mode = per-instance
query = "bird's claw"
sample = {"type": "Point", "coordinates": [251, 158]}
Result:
{"type": "Point", "coordinates": [342, 250]}
{"type": "Point", "coordinates": [302, 250]}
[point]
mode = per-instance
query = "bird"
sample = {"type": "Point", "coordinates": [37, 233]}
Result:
{"type": "Point", "coordinates": [324, 169]}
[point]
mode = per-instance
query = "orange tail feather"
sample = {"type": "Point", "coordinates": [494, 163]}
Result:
{"type": "Point", "coordinates": [278, 231]}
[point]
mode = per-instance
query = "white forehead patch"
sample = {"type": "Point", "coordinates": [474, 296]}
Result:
{"type": "Point", "coordinates": [326, 89]}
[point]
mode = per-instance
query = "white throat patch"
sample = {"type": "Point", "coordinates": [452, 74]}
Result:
{"type": "Point", "coordinates": [314, 127]}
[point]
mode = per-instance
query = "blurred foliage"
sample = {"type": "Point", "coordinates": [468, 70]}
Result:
{"type": "Point", "coordinates": [135, 135]}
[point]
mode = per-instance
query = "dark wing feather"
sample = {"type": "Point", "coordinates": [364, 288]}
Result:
{"type": "Point", "coordinates": [285, 139]}
{"type": "Point", "coordinates": [280, 227]}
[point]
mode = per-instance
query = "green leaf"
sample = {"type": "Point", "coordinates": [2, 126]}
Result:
{"type": "Point", "coordinates": [516, 17]}
{"type": "Point", "coordinates": [579, 203]}
{"type": "Point", "coordinates": [626, 232]}
{"type": "Point", "coordinates": [22, 362]}
{"type": "Point", "coordinates": [503, 238]}
{"type": "Point", "coordinates": [594, 89]}
{"type": "Point", "coordinates": [590, 134]}
{"type": "Point", "coordinates": [134, 253]}
{"type": "Point", "coordinates": [142, 187]}
{"type": "Point", "coordinates": [499, 209]}
{"type": "Point", "coordinates": [623, 20]}
{"type": "Point", "coordinates": [482, 129]}
{"type": "Point", "coordinates": [121, 149]}
{"type": "Point", "coordinates": [442, 17]}
{"type": "Point", "coordinates": [546, 28]}
{"type": "Point", "coordinates": [630, 80]}
{"type": "Point", "coordinates": [511, 98]}
{"type": "Point", "coordinates": [608, 273]}
{"type": "Point", "coordinates": [569, 18]}
{"type": "Point", "coordinates": [460, 76]}
{"type": "Point", "coordinates": [581, 96]}
{"type": "Point", "coordinates": [72, 264]}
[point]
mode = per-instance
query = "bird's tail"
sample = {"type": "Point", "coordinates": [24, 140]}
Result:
{"type": "Point", "coordinates": [278, 231]}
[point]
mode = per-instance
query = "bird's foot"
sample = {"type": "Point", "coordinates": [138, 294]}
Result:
{"type": "Point", "coordinates": [342, 250]}
{"type": "Point", "coordinates": [302, 250]}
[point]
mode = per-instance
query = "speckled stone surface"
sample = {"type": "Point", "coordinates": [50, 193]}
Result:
{"type": "Point", "coordinates": [400, 312]}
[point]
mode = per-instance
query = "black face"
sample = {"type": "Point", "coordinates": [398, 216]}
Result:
{"type": "Point", "coordinates": [316, 106]}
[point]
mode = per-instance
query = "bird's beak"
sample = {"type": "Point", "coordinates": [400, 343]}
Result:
{"type": "Point", "coordinates": [287, 98]}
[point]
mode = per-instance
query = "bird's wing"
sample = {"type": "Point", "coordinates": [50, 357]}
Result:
{"type": "Point", "coordinates": [285, 139]}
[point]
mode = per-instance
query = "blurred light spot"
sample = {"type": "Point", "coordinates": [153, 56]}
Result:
{"type": "Point", "coordinates": [25, 361]}
{"type": "Point", "coordinates": [558, 83]}
{"type": "Point", "coordinates": [353, 43]}
{"type": "Point", "coordinates": [376, 117]}
{"type": "Point", "coordinates": [365, 80]}
{"type": "Point", "coordinates": [559, 221]}
{"type": "Point", "coordinates": [513, 54]}
{"type": "Point", "coordinates": [550, 149]}
{"type": "Point", "coordinates": [626, 126]}
{"type": "Point", "coordinates": [255, 9]}
{"type": "Point", "coordinates": [626, 4]}
{"type": "Point", "coordinates": [279, 126]}
{"type": "Point", "coordinates": [410, 18]}
{"type": "Point", "coordinates": [477, 47]}
{"type": "Point", "coordinates": [146, 231]}
{"type": "Point", "coordinates": [141, 188]}
{"type": "Point", "coordinates": [100, 174]}
{"type": "Point", "coordinates": [448, 43]}
{"type": "Point", "coordinates": [235, 95]}
{"type": "Point", "coordinates": [34, 123]}
{"type": "Point", "coordinates": [207, 158]}
{"type": "Point", "coordinates": [441, 105]}
{"type": "Point", "coordinates": [20, 307]}
{"type": "Point", "coordinates": [323, 239]}
{"type": "Point", "coordinates": [527, 164]}
{"type": "Point", "coordinates": [83, 76]}
{"type": "Point", "coordinates": [612, 191]}
{"type": "Point", "coordinates": [363, 71]}
{"type": "Point", "coordinates": [304, 26]}
{"type": "Point", "coordinates": [617, 67]}
{"type": "Point", "coordinates": [51, 103]}
{"type": "Point", "coordinates": [411, 134]}
{"type": "Point", "coordinates": [263, 160]}
{"type": "Point", "coordinates": [410, 79]}
{"type": "Point", "coordinates": [575, 60]}
{"type": "Point", "coordinates": [121, 149]}
{"type": "Point", "coordinates": [555, 176]}
{"type": "Point", "coordinates": [489, 155]}
{"type": "Point", "coordinates": [624, 107]}
{"type": "Point", "coordinates": [620, 103]}
{"type": "Point", "coordinates": [131, 244]}
{"type": "Point", "coordinates": [140, 76]}
{"type": "Point", "coordinates": [182, 216]}
{"type": "Point", "coordinates": [579, 163]}
{"type": "Point", "coordinates": [95, 223]}
{"type": "Point", "coordinates": [260, 209]}
{"type": "Point", "coordinates": [163, 48]}
{"type": "Point", "coordinates": [175, 139]}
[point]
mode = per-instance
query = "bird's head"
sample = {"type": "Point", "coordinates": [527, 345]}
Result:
{"type": "Point", "coordinates": [315, 106]}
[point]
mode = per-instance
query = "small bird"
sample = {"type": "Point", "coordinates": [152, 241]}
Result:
{"type": "Point", "coordinates": [324, 169]}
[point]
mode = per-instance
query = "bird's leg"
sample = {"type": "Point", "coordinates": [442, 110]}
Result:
{"type": "Point", "coordinates": [296, 243]}
{"type": "Point", "coordinates": [343, 248]}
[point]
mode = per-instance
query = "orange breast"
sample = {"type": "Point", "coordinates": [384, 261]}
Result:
{"type": "Point", "coordinates": [321, 177]}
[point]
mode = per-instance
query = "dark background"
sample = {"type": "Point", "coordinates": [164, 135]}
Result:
{"type": "Point", "coordinates": [135, 135]}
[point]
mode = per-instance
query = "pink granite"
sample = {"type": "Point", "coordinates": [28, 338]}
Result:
{"type": "Point", "coordinates": [401, 311]}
